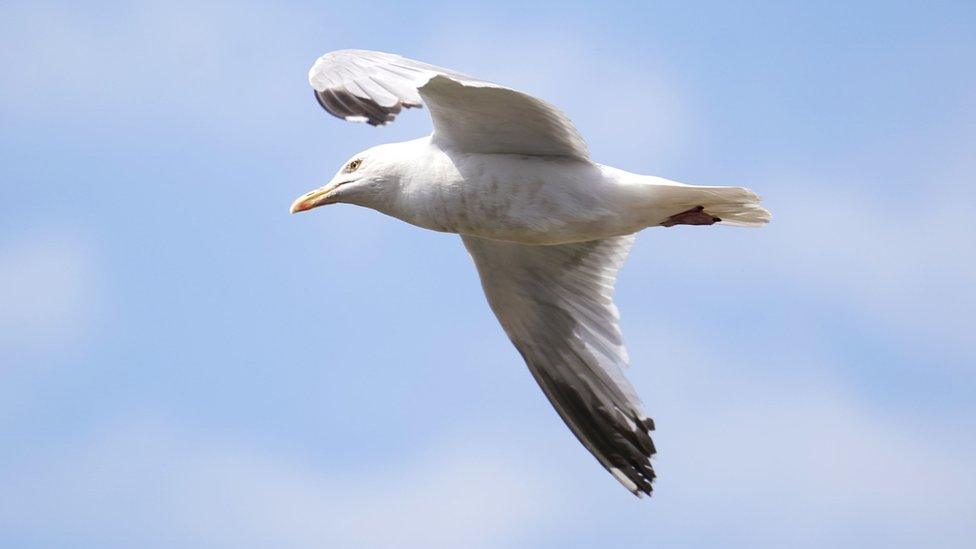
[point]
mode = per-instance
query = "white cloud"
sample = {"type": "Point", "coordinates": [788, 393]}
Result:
{"type": "Point", "coordinates": [908, 265]}
{"type": "Point", "coordinates": [778, 452]}
{"type": "Point", "coordinates": [751, 454]}
{"type": "Point", "coordinates": [47, 291]}
{"type": "Point", "coordinates": [139, 65]}
{"type": "Point", "coordinates": [150, 482]}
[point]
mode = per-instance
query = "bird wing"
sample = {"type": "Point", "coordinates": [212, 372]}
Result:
{"type": "Point", "coordinates": [469, 114]}
{"type": "Point", "coordinates": [556, 305]}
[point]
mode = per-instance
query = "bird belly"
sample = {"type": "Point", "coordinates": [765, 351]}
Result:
{"type": "Point", "coordinates": [531, 200]}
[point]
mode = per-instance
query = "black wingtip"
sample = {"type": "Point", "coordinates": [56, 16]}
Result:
{"type": "Point", "coordinates": [342, 104]}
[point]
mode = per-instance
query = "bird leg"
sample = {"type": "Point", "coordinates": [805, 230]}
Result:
{"type": "Point", "coordinates": [694, 216]}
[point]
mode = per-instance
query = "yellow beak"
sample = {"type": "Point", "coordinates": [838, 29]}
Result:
{"type": "Point", "coordinates": [313, 199]}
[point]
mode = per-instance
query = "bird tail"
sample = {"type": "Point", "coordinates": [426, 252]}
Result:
{"type": "Point", "coordinates": [735, 206]}
{"type": "Point", "coordinates": [695, 205]}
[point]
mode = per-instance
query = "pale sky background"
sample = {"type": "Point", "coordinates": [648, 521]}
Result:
{"type": "Point", "coordinates": [184, 364]}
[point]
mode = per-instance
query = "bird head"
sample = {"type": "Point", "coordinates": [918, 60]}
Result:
{"type": "Point", "coordinates": [363, 180]}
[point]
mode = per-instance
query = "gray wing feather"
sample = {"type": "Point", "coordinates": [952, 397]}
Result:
{"type": "Point", "coordinates": [373, 86]}
{"type": "Point", "coordinates": [556, 305]}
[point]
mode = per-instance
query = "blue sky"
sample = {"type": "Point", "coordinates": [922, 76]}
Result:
{"type": "Point", "coordinates": [182, 363]}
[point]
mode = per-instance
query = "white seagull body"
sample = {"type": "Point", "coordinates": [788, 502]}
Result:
{"type": "Point", "coordinates": [548, 228]}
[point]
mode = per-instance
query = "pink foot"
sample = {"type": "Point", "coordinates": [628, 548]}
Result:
{"type": "Point", "coordinates": [694, 216]}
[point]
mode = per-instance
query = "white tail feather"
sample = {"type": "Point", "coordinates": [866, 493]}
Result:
{"type": "Point", "coordinates": [732, 205]}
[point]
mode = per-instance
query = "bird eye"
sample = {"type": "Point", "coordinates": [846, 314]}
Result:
{"type": "Point", "coordinates": [354, 165]}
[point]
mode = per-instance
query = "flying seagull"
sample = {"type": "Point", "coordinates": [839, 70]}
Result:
{"type": "Point", "coordinates": [547, 227]}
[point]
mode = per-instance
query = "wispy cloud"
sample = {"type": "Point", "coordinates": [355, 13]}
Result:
{"type": "Point", "coordinates": [773, 430]}
{"type": "Point", "coordinates": [48, 291]}
{"type": "Point", "coordinates": [151, 482]}
{"type": "Point", "coordinates": [777, 451]}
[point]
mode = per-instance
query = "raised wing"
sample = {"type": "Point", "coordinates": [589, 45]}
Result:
{"type": "Point", "coordinates": [469, 114]}
{"type": "Point", "coordinates": [556, 305]}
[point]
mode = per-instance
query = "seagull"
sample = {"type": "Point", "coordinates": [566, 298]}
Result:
{"type": "Point", "coordinates": [547, 227]}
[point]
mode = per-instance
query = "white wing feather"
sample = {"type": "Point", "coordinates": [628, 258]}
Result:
{"type": "Point", "coordinates": [469, 114]}
{"type": "Point", "coordinates": [556, 305]}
